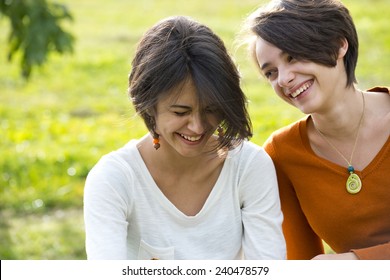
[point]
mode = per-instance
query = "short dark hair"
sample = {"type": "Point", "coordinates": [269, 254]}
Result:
{"type": "Point", "coordinates": [308, 30]}
{"type": "Point", "coordinates": [179, 48]}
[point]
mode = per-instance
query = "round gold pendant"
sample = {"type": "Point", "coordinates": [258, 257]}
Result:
{"type": "Point", "coordinates": [354, 184]}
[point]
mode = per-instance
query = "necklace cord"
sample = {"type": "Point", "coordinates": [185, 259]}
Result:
{"type": "Point", "coordinates": [356, 137]}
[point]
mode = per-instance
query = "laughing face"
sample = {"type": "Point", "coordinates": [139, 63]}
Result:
{"type": "Point", "coordinates": [303, 84]}
{"type": "Point", "coordinates": [182, 125]}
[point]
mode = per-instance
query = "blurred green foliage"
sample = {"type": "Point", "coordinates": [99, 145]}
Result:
{"type": "Point", "coordinates": [35, 31]}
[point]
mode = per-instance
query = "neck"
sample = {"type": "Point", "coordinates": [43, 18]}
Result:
{"type": "Point", "coordinates": [343, 118]}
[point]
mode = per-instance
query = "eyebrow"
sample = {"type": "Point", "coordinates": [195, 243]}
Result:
{"type": "Point", "coordinates": [178, 106]}
{"type": "Point", "coordinates": [265, 65]}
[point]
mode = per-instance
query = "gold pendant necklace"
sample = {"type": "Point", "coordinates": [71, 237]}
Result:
{"type": "Point", "coordinates": [354, 184]}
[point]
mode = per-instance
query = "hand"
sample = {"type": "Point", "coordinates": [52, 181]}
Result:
{"type": "Point", "coordinates": [344, 256]}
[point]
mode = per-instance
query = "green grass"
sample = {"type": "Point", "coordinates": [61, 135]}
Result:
{"type": "Point", "coordinates": [75, 109]}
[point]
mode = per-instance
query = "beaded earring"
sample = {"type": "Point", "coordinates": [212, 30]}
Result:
{"type": "Point", "coordinates": [220, 133]}
{"type": "Point", "coordinates": [156, 141]}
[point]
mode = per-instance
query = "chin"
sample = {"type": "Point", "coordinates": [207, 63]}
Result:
{"type": "Point", "coordinates": [188, 154]}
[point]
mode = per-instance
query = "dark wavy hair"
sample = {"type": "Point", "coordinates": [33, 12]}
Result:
{"type": "Point", "coordinates": [177, 49]}
{"type": "Point", "coordinates": [308, 30]}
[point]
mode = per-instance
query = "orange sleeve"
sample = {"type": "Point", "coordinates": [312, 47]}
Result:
{"type": "Point", "coordinates": [380, 89]}
{"type": "Point", "coordinates": [301, 241]}
{"type": "Point", "coordinates": [379, 252]}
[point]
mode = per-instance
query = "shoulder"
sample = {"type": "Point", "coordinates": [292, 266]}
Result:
{"type": "Point", "coordinates": [380, 89]}
{"type": "Point", "coordinates": [379, 97]}
{"type": "Point", "coordinates": [119, 156]}
{"type": "Point", "coordinates": [381, 94]}
{"type": "Point", "coordinates": [378, 102]}
{"type": "Point", "coordinates": [249, 157]}
{"type": "Point", "coordinates": [289, 142]}
{"type": "Point", "coordinates": [113, 178]}
{"type": "Point", "coordinates": [253, 170]}
{"type": "Point", "coordinates": [116, 165]}
{"type": "Point", "coordinates": [246, 151]}
{"type": "Point", "coordinates": [286, 134]}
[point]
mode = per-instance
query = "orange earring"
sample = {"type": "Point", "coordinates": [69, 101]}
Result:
{"type": "Point", "coordinates": [156, 141]}
{"type": "Point", "coordinates": [220, 132]}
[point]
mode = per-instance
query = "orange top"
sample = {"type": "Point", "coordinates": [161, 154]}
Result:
{"type": "Point", "coordinates": [316, 205]}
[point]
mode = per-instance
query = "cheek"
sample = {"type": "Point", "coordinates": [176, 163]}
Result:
{"type": "Point", "coordinates": [278, 90]}
{"type": "Point", "coordinates": [161, 123]}
{"type": "Point", "coordinates": [166, 123]}
{"type": "Point", "coordinates": [213, 120]}
{"type": "Point", "coordinates": [211, 123]}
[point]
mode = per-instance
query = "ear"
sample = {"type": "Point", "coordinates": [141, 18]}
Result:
{"type": "Point", "coordinates": [343, 48]}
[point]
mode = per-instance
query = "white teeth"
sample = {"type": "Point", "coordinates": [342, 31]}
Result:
{"type": "Point", "coordinates": [300, 90]}
{"type": "Point", "coordinates": [191, 138]}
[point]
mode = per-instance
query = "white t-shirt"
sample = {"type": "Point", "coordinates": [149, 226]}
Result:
{"type": "Point", "coordinates": [128, 217]}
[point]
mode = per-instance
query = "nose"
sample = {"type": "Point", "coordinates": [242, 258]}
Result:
{"type": "Point", "coordinates": [195, 123]}
{"type": "Point", "coordinates": [285, 77]}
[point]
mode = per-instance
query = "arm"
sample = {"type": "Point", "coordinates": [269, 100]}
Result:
{"type": "Point", "coordinates": [261, 214]}
{"type": "Point", "coordinates": [343, 256]}
{"type": "Point", "coordinates": [379, 252]}
{"type": "Point", "coordinates": [105, 212]}
{"type": "Point", "coordinates": [302, 242]}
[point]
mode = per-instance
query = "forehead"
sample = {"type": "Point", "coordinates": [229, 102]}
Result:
{"type": "Point", "coordinates": [266, 53]}
{"type": "Point", "coordinates": [185, 93]}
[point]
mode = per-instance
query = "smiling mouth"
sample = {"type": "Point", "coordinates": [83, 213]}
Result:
{"type": "Point", "coordinates": [301, 89]}
{"type": "Point", "coordinates": [191, 138]}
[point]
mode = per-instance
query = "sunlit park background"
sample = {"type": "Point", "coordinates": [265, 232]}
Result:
{"type": "Point", "coordinates": [72, 110]}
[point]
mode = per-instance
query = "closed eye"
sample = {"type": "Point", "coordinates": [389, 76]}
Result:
{"type": "Point", "coordinates": [180, 110]}
{"type": "Point", "coordinates": [211, 110]}
{"type": "Point", "coordinates": [180, 114]}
